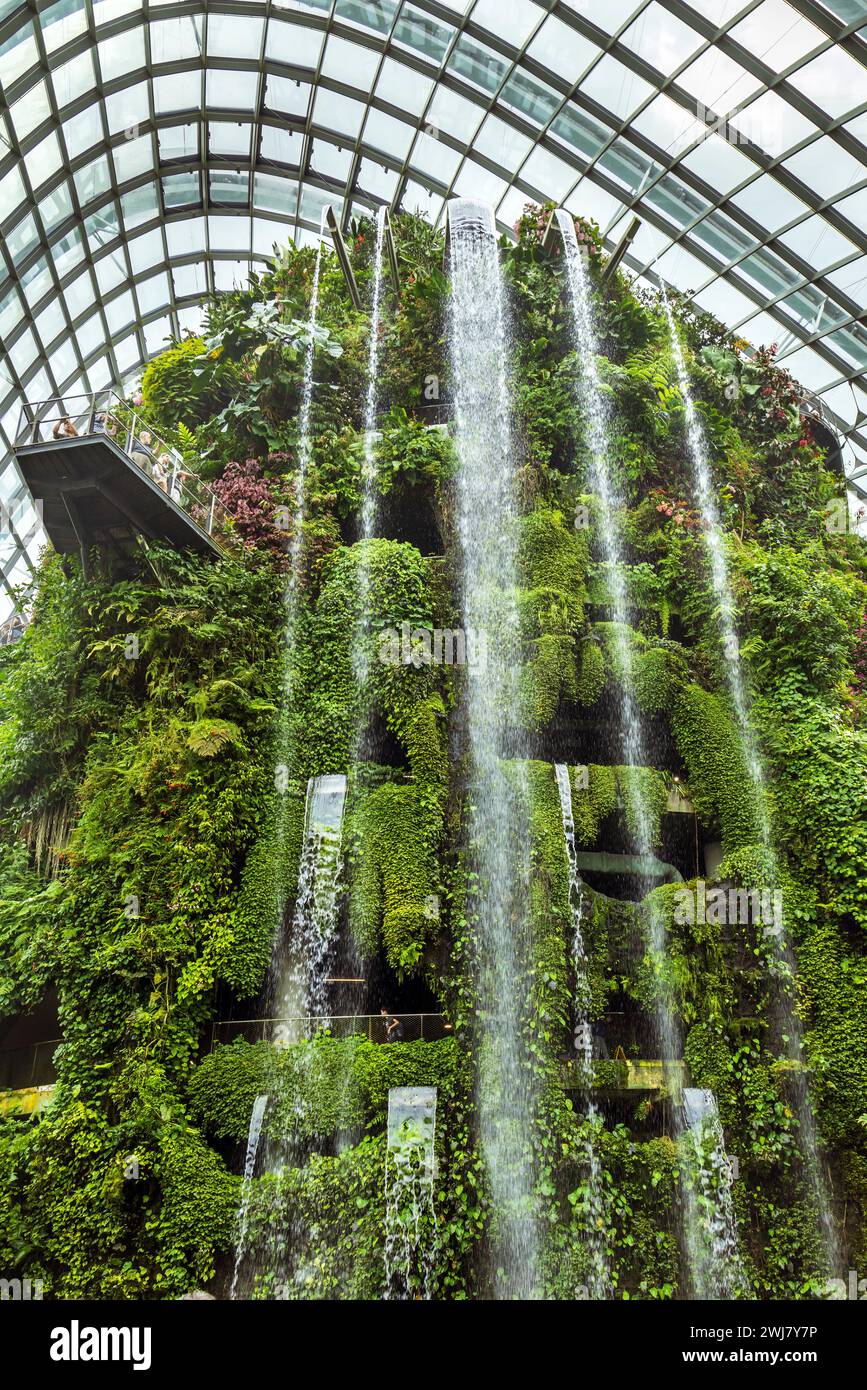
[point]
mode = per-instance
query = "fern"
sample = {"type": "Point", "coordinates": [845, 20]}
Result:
{"type": "Point", "coordinates": [208, 737]}
{"type": "Point", "coordinates": [187, 440]}
{"type": "Point", "coordinates": [649, 366]}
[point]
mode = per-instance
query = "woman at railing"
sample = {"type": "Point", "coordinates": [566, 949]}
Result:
{"type": "Point", "coordinates": [102, 424]}
{"type": "Point", "coordinates": [142, 454]}
{"type": "Point", "coordinates": [178, 476]}
{"type": "Point", "coordinates": [160, 470]}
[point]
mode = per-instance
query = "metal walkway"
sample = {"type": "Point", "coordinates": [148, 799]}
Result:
{"type": "Point", "coordinates": [99, 475]}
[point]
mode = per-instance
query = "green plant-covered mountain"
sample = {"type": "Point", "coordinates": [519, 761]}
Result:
{"type": "Point", "coordinates": [149, 855]}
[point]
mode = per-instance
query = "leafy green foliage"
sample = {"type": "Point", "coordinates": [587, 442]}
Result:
{"type": "Point", "coordinates": [147, 853]}
{"type": "Point", "coordinates": [717, 772]}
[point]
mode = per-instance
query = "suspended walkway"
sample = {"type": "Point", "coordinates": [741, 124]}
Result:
{"type": "Point", "coordinates": [99, 475]}
{"type": "Point", "coordinates": [426, 1027]}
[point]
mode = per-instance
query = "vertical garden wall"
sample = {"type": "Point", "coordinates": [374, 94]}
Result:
{"type": "Point", "coordinates": [145, 876]}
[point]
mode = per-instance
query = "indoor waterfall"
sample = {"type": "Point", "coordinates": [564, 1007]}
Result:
{"type": "Point", "coordinates": [783, 966]}
{"type": "Point", "coordinates": [506, 1087]}
{"type": "Point", "coordinates": [433, 672]}
{"type": "Point", "coordinates": [302, 949]}
{"type": "Point", "coordinates": [593, 410]}
{"type": "Point", "coordinates": [371, 400]}
{"type": "Point", "coordinates": [410, 1245]}
{"type": "Point", "coordinates": [596, 1206]}
{"type": "Point", "coordinates": [300, 998]}
{"type": "Point", "coordinates": [369, 495]}
{"type": "Point", "coordinates": [313, 934]}
{"type": "Point", "coordinates": [304, 440]}
{"type": "Point", "coordinates": [716, 1260]}
{"type": "Point", "coordinates": [696, 1234]}
{"type": "Point", "coordinates": [290, 599]}
{"type": "Point", "coordinates": [714, 541]}
{"type": "Point", "coordinates": [256, 1117]}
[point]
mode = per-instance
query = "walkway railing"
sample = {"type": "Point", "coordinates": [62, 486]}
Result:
{"type": "Point", "coordinates": [21, 1067]}
{"type": "Point", "coordinates": [106, 414]}
{"type": "Point", "coordinates": [432, 413]}
{"type": "Point", "coordinates": [415, 1027]}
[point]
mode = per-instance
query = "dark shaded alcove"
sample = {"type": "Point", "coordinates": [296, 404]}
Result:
{"type": "Point", "coordinates": [681, 841]}
{"type": "Point", "coordinates": [647, 1115]}
{"type": "Point", "coordinates": [408, 514]}
{"type": "Point", "coordinates": [379, 745]}
{"type": "Point", "coordinates": [624, 1025]}
{"type": "Point", "coordinates": [626, 887]}
{"type": "Point", "coordinates": [27, 1044]}
{"type": "Point", "coordinates": [580, 736]}
{"type": "Point", "coordinates": [410, 996]}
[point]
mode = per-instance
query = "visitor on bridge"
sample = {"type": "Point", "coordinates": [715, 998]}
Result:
{"type": "Point", "coordinates": [143, 455]}
{"type": "Point", "coordinates": [160, 471]}
{"type": "Point", "coordinates": [177, 475]}
{"type": "Point", "coordinates": [393, 1026]}
{"type": "Point", "coordinates": [101, 425]}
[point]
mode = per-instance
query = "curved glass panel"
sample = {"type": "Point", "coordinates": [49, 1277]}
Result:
{"type": "Point", "coordinates": [149, 159]}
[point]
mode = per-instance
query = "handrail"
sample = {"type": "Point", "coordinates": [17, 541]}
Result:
{"type": "Point", "coordinates": [315, 1018]}
{"type": "Point", "coordinates": [436, 412]}
{"type": "Point", "coordinates": [26, 1066]}
{"type": "Point", "coordinates": [107, 413]}
{"type": "Point", "coordinates": [416, 1026]}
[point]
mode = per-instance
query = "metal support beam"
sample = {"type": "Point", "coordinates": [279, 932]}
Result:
{"type": "Point", "coordinates": [621, 248]}
{"type": "Point", "coordinates": [343, 256]}
{"type": "Point", "coordinates": [551, 238]}
{"type": "Point", "coordinates": [392, 254]}
{"type": "Point", "coordinates": [77, 524]}
{"type": "Point", "coordinates": [117, 499]}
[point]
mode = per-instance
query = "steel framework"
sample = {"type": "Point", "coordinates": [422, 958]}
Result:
{"type": "Point", "coordinates": [150, 153]}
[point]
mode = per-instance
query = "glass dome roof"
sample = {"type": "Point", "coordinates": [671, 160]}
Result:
{"type": "Point", "coordinates": [151, 152]}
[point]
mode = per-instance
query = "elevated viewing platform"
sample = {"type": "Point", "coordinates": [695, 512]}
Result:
{"type": "Point", "coordinates": [99, 475]}
{"type": "Point", "coordinates": [416, 1027]}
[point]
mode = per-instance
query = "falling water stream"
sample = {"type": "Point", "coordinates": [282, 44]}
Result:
{"type": "Point", "coordinates": [707, 1279]}
{"type": "Point", "coordinates": [371, 400]}
{"type": "Point", "coordinates": [599, 1281]}
{"type": "Point", "coordinates": [304, 959]}
{"type": "Point", "coordinates": [409, 1251]}
{"type": "Point", "coordinates": [304, 439]}
{"type": "Point", "coordinates": [593, 407]}
{"type": "Point", "coordinates": [301, 955]}
{"type": "Point", "coordinates": [717, 1258]}
{"type": "Point", "coordinates": [313, 936]}
{"type": "Point", "coordinates": [789, 1026]}
{"type": "Point", "coordinates": [283, 949]}
{"type": "Point", "coordinates": [257, 1115]}
{"type": "Point", "coordinates": [290, 593]}
{"type": "Point", "coordinates": [369, 491]}
{"type": "Point", "coordinates": [506, 1089]}
{"type": "Point", "coordinates": [369, 483]}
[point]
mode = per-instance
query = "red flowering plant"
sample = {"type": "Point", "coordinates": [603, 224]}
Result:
{"type": "Point", "coordinates": [779, 397]}
{"type": "Point", "coordinates": [675, 508]}
{"type": "Point", "coordinates": [262, 516]}
{"type": "Point", "coordinates": [765, 395]}
{"type": "Point", "coordinates": [775, 454]}
{"type": "Point", "coordinates": [361, 242]}
{"type": "Point", "coordinates": [859, 658]}
{"type": "Point", "coordinates": [531, 225]}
